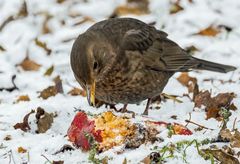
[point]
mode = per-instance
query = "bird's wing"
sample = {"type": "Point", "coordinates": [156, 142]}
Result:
{"type": "Point", "coordinates": [159, 53]}
{"type": "Point", "coordinates": [140, 38]}
{"type": "Point", "coordinates": [166, 55]}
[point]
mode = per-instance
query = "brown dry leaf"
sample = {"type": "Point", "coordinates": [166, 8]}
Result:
{"type": "Point", "coordinates": [49, 71]}
{"type": "Point", "coordinates": [235, 141]}
{"type": "Point", "coordinates": [43, 45]}
{"type": "Point", "coordinates": [23, 98]}
{"type": "Point", "coordinates": [203, 98]}
{"type": "Point", "coordinates": [191, 49]}
{"type": "Point", "coordinates": [44, 120]}
{"type": "Point", "coordinates": [23, 12]}
{"type": "Point", "coordinates": [64, 148]}
{"type": "Point", "coordinates": [58, 84]}
{"type": "Point", "coordinates": [84, 20]}
{"type": "Point", "coordinates": [233, 137]}
{"type": "Point", "coordinates": [52, 90]}
{"type": "Point", "coordinates": [57, 162]}
{"type": "Point", "coordinates": [224, 99]}
{"type": "Point", "coordinates": [24, 126]}
{"type": "Point", "coordinates": [189, 82]}
{"type": "Point", "coordinates": [136, 7]}
{"type": "Point", "coordinates": [209, 31]}
{"type": "Point", "coordinates": [45, 27]}
{"type": "Point", "coordinates": [221, 156]}
{"type": "Point", "coordinates": [29, 65]}
{"type": "Point", "coordinates": [21, 150]}
{"type": "Point", "coordinates": [48, 92]}
{"type": "Point", "coordinates": [125, 161]}
{"type": "Point", "coordinates": [2, 48]}
{"type": "Point", "coordinates": [77, 91]}
{"type": "Point", "coordinates": [175, 8]}
{"type": "Point", "coordinates": [212, 113]}
{"type": "Point", "coordinates": [146, 160]}
{"type": "Point", "coordinates": [7, 137]}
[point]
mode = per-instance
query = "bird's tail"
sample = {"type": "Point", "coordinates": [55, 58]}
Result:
{"type": "Point", "coordinates": [211, 66]}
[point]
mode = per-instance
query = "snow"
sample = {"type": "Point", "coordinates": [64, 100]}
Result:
{"type": "Point", "coordinates": [18, 40]}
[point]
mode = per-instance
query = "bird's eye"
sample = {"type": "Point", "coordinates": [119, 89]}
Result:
{"type": "Point", "coordinates": [95, 65]}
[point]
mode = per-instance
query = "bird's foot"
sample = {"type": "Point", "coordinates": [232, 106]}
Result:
{"type": "Point", "coordinates": [124, 110]}
{"type": "Point", "coordinates": [147, 107]}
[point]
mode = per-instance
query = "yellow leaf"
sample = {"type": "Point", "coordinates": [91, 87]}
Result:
{"type": "Point", "coordinates": [43, 45]}
{"type": "Point", "coordinates": [209, 31]}
{"type": "Point", "coordinates": [21, 150]}
{"type": "Point", "coordinates": [23, 98]}
{"type": "Point", "coordinates": [49, 71]}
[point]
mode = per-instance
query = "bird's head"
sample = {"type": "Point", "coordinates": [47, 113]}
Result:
{"type": "Point", "coordinates": [90, 58]}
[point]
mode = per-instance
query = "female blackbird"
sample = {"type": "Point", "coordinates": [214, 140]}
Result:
{"type": "Point", "coordinates": [124, 60]}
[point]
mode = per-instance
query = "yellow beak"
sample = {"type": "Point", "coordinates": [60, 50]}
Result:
{"type": "Point", "coordinates": [91, 93]}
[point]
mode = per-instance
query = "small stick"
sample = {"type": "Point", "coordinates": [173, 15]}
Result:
{"type": "Point", "coordinates": [190, 116]}
{"type": "Point", "coordinates": [46, 158]}
{"type": "Point", "coordinates": [234, 123]}
{"type": "Point", "coordinates": [189, 121]}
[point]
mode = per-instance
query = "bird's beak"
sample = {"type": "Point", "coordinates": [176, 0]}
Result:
{"type": "Point", "coordinates": [91, 94]}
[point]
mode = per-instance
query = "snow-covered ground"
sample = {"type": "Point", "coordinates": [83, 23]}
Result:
{"type": "Point", "coordinates": [17, 39]}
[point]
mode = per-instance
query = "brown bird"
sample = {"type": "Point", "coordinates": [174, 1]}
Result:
{"type": "Point", "coordinates": [124, 60]}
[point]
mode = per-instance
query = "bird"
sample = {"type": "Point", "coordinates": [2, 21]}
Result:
{"type": "Point", "coordinates": [124, 60]}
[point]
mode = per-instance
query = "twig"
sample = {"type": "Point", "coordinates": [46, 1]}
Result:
{"type": "Point", "coordinates": [234, 123]}
{"type": "Point", "coordinates": [201, 126]}
{"type": "Point", "coordinates": [190, 116]}
{"type": "Point", "coordinates": [46, 158]}
{"type": "Point", "coordinates": [11, 158]}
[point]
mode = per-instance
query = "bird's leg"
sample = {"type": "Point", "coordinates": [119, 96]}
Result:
{"type": "Point", "coordinates": [147, 106]}
{"type": "Point", "coordinates": [124, 109]}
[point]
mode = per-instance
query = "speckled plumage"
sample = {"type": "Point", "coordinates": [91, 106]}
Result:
{"type": "Point", "coordinates": [134, 60]}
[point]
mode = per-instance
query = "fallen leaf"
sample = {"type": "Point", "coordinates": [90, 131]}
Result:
{"type": "Point", "coordinates": [209, 31]}
{"type": "Point", "coordinates": [29, 65]}
{"type": "Point", "coordinates": [49, 71]}
{"type": "Point", "coordinates": [64, 148]}
{"type": "Point", "coordinates": [221, 156]}
{"type": "Point", "coordinates": [23, 12]}
{"type": "Point", "coordinates": [21, 150]}
{"type": "Point", "coordinates": [58, 84]}
{"type": "Point", "coordinates": [2, 48]}
{"type": "Point", "coordinates": [7, 138]}
{"type": "Point", "coordinates": [224, 99]}
{"type": "Point", "coordinates": [43, 45]}
{"type": "Point", "coordinates": [44, 120]}
{"type": "Point", "coordinates": [84, 20]}
{"type": "Point", "coordinates": [203, 98]}
{"type": "Point", "coordinates": [124, 161]}
{"type": "Point", "coordinates": [57, 162]}
{"type": "Point", "coordinates": [136, 7]}
{"type": "Point", "coordinates": [20, 14]}
{"type": "Point", "coordinates": [181, 130]}
{"type": "Point", "coordinates": [189, 82]}
{"type": "Point", "coordinates": [175, 8]}
{"type": "Point", "coordinates": [45, 27]}
{"type": "Point", "coordinates": [76, 91]}
{"type": "Point", "coordinates": [23, 98]}
{"type": "Point", "coordinates": [48, 92]}
{"type": "Point", "coordinates": [191, 50]}
{"type": "Point", "coordinates": [24, 126]}
{"type": "Point", "coordinates": [52, 90]}
{"type": "Point", "coordinates": [212, 113]}
{"type": "Point", "coordinates": [146, 160]}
